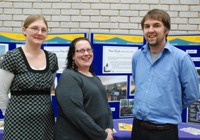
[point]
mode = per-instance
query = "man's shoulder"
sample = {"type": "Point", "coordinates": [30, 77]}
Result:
{"type": "Point", "coordinates": [137, 53]}
{"type": "Point", "coordinates": [178, 52]}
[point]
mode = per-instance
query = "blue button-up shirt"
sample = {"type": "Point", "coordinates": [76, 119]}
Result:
{"type": "Point", "coordinates": [165, 86]}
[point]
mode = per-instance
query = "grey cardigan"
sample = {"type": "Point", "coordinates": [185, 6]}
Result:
{"type": "Point", "coordinates": [83, 110]}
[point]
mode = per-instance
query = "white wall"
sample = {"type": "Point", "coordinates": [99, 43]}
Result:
{"type": "Point", "coordinates": [110, 16]}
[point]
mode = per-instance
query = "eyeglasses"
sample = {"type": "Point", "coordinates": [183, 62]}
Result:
{"type": "Point", "coordinates": [37, 29]}
{"type": "Point", "coordinates": [82, 51]}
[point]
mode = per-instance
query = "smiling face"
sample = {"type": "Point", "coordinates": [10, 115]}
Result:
{"type": "Point", "coordinates": [36, 32]}
{"type": "Point", "coordinates": [156, 25]}
{"type": "Point", "coordinates": [83, 55]}
{"type": "Point", "coordinates": [155, 32]}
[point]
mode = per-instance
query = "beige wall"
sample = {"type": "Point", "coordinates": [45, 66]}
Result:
{"type": "Point", "coordinates": [109, 16]}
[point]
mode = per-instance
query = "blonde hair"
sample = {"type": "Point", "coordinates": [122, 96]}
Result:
{"type": "Point", "coordinates": [32, 18]}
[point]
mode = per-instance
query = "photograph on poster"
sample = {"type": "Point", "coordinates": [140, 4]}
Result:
{"type": "Point", "coordinates": [198, 107]}
{"type": "Point", "coordinates": [198, 116]}
{"type": "Point", "coordinates": [193, 110]}
{"type": "Point", "coordinates": [198, 71]}
{"type": "Point", "coordinates": [3, 50]}
{"type": "Point", "coordinates": [116, 87]}
{"type": "Point", "coordinates": [125, 126]}
{"type": "Point", "coordinates": [132, 86]}
{"type": "Point", "coordinates": [53, 89]}
{"type": "Point", "coordinates": [117, 59]}
{"type": "Point", "coordinates": [107, 68]}
{"type": "Point", "coordinates": [61, 53]}
{"type": "Point", "coordinates": [126, 107]}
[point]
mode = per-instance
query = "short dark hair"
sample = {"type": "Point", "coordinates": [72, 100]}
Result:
{"type": "Point", "coordinates": [160, 15]}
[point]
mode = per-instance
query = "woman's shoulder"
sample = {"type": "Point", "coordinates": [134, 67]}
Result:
{"type": "Point", "coordinates": [50, 54]}
{"type": "Point", "coordinates": [12, 54]}
{"type": "Point", "coordinates": [68, 72]}
{"type": "Point", "coordinates": [71, 75]}
{"type": "Point", "coordinates": [11, 60]}
{"type": "Point", "coordinates": [15, 51]}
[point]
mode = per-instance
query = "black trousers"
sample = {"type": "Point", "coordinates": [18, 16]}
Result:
{"type": "Point", "coordinates": [140, 133]}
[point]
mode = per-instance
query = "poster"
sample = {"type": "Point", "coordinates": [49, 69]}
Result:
{"type": "Point", "coordinates": [126, 108]}
{"type": "Point", "coordinates": [116, 87]}
{"type": "Point", "coordinates": [117, 59]}
{"type": "Point", "coordinates": [194, 112]}
{"type": "Point", "coordinates": [61, 53]}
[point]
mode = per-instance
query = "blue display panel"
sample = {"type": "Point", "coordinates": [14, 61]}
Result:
{"type": "Point", "coordinates": [112, 63]}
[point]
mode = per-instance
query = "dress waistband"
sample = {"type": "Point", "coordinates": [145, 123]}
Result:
{"type": "Point", "coordinates": [156, 127]}
{"type": "Point", "coordinates": [31, 92]}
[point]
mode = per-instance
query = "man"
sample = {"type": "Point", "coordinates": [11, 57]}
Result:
{"type": "Point", "coordinates": [166, 82]}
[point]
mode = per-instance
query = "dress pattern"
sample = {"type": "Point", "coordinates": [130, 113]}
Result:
{"type": "Point", "coordinates": [29, 115]}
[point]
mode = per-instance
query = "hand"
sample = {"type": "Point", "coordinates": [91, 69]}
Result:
{"type": "Point", "coordinates": [110, 134]}
{"type": "Point", "coordinates": [109, 130]}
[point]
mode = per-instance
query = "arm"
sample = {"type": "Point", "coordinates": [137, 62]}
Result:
{"type": "Point", "coordinates": [109, 129]}
{"type": "Point", "coordinates": [5, 82]}
{"type": "Point", "coordinates": [110, 134]}
{"type": "Point", "coordinates": [189, 82]}
{"type": "Point", "coordinates": [110, 123]}
{"type": "Point", "coordinates": [69, 97]}
{"type": "Point", "coordinates": [134, 58]}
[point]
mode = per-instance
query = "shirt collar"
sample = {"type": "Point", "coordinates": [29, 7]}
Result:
{"type": "Point", "coordinates": [168, 47]}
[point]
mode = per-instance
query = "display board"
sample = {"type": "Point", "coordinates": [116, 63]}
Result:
{"type": "Point", "coordinates": [112, 64]}
{"type": "Point", "coordinates": [55, 42]}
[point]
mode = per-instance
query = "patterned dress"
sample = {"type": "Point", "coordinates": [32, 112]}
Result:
{"type": "Point", "coordinates": [29, 115]}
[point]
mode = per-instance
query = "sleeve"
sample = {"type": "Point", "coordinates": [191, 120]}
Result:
{"type": "Point", "coordinates": [134, 57]}
{"type": "Point", "coordinates": [55, 68]}
{"type": "Point", "coordinates": [110, 123]}
{"type": "Point", "coordinates": [189, 82]}
{"type": "Point", "coordinates": [8, 63]}
{"type": "Point", "coordinates": [5, 82]}
{"type": "Point", "coordinates": [70, 102]}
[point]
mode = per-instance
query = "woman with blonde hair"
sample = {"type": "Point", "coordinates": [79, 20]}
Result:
{"type": "Point", "coordinates": [28, 72]}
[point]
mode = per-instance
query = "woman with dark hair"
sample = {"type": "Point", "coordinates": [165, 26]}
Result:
{"type": "Point", "coordinates": [83, 109]}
